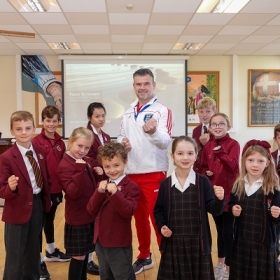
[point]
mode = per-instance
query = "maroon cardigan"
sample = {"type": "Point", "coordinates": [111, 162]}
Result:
{"type": "Point", "coordinates": [78, 182]}
{"type": "Point", "coordinates": [195, 135]}
{"type": "Point", "coordinates": [54, 152]}
{"type": "Point", "coordinates": [224, 163]}
{"type": "Point", "coordinates": [112, 227]}
{"type": "Point", "coordinates": [19, 203]}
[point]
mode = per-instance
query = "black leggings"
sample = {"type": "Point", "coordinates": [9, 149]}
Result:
{"type": "Point", "coordinates": [224, 226]}
{"type": "Point", "coordinates": [48, 221]}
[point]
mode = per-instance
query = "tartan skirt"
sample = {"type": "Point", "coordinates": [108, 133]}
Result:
{"type": "Point", "coordinates": [78, 240]}
{"type": "Point", "coordinates": [254, 261]}
{"type": "Point", "coordinates": [183, 260]}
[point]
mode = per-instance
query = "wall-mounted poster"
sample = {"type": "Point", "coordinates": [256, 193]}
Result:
{"type": "Point", "coordinates": [263, 97]}
{"type": "Point", "coordinates": [37, 77]}
{"type": "Point", "coordinates": [199, 85]}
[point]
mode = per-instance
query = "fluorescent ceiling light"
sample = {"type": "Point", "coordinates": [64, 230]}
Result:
{"type": "Point", "coordinates": [36, 6]}
{"type": "Point", "coordinates": [17, 34]}
{"type": "Point", "coordinates": [221, 6]}
{"type": "Point", "coordinates": [26, 6]}
{"type": "Point", "coordinates": [64, 46]}
{"type": "Point", "coordinates": [193, 46]}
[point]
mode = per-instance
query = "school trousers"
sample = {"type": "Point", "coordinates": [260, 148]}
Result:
{"type": "Point", "coordinates": [115, 263]}
{"type": "Point", "coordinates": [22, 245]}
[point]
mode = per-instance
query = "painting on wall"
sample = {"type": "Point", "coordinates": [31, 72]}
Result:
{"type": "Point", "coordinates": [199, 85]}
{"type": "Point", "coordinates": [263, 97]}
{"type": "Point", "coordinates": [38, 78]}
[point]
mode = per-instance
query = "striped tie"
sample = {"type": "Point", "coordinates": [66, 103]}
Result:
{"type": "Point", "coordinates": [36, 169]}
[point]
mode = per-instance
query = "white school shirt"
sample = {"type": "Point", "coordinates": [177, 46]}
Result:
{"type": "Point", "coordinates": [190, 180]}
{"type": "Point", "coordinates": [251, 189]}
{"type": "Point", "coordinates": [29, 168]}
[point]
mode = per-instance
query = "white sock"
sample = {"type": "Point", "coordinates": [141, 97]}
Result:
{"type": "Point", "coordinates": [41, 257]}
{"type": "Point", "coordinates": [51, 247]}
{"type": "Point", "coordinates": [90, 257]}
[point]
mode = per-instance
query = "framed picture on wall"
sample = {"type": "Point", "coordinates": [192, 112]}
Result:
{"type": "Point", "coordinates": [40, 103]}
{"type": "Point", "coordinates": [263, 97]}
{"type": "Point", "coordinates": [199, 85]}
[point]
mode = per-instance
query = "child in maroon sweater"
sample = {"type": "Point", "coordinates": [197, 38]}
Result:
{"type": "Point", "coordinates": [78, 181]}
{"type": "Point", "coordinates": [113, 204]}
{"type": "Point", "coordinates": [54, 147]}
{"type": "Point", "coordinates": [219, 161]}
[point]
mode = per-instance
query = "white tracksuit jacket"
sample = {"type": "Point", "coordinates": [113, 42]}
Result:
{"type": "Point", "coordinates": [148, 152]}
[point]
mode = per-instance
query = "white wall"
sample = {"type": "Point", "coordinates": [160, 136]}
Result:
{"type": "Point", "coordinates": [233, 90]}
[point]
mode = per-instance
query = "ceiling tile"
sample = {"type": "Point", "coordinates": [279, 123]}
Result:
{"type": "Point", "coordinates": [20, 28]}
{"type": "Point", "coordinates": [59, 38]}
{"type": "Point", "coordinates": [251, 19]}
{"type": "Point", "coordinates": [45, 18]}
{"type": "Point", "coordinates": [133, 46]}
{"type": "Point", "coordinates": [260, 38]}
{"type": "Point", "coordinates": [165, 29]}
{"type": "Point", "coordinates": [227, 39]}
{"type": "Point", "coordinates": [87, 18]}
{"type": "Point", "coordinates": [96, 46]}
{"type": "Point", "coordinates": [6, 7]}
{"type": "Point", "coordinates": [91, 29]}
{"type": "Point", "coordinates": [8, 46]}
{"type": "Point", "coordinates": [176, 6]}
{"type": "Point", "coordinates": [153, 46]}
{"type": "Point", "coordinates": [136, 19]}
{"type": "Point", "coordinates": [171, 18]}
{"type": "Point", "coordinates": [119, 6]}
{"type": "Point", "coordinates": [33, 46]}
{"type": "Point", "coordinates": [127, 38]}
{"type": "Point", "coordinates": [93, 38]}
{"type": "Point", "coordinates": [244, 46]}
{"type": "Point", "coordinates": [37, 39]}
{"type": "Point", "coordinates": [40, 51]}
{"type": "Point", "coordinates": [82, 5]}
{"type": "Point", "coordinates": [195, 39]}
{"type": "Point", "coordinates": [202, 29]}
{"type": "Point", "coordinates": [128, 29]}
{"type": "Point", "coordinates": [268, 30]}
{"type": "Point", "coordinates": [238, 30]}
{"type": "Point", "coordinates": [53, 29]}
{"type": "Point", "coordinates": [210, 19]}
{"type": "Point", "coordinates": [160, 38]}
{"type": "Point", "coordinates": [12, 18]}
{"type": "Point", "coordinates": [259, 6]}
{"type": "Point", "coordinates": [213, 46]}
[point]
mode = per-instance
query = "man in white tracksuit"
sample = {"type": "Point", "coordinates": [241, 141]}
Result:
{"type": "Point", "coordinates": [146, 134]}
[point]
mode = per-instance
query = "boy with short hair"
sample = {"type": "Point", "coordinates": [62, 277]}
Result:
{"type": "Point", "coordinates": [206, 108]}
{"type": "Point", "coordinates": [25, 187]}
{"type": "Point", "coordinates": [54, 147]}
{"type": "Point", "coordinates": [113, 204]}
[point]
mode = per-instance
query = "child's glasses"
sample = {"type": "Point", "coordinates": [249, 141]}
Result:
{"type": "Point", "coordinates": [219, 125]}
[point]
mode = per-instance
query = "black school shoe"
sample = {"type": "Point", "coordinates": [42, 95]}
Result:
{"type": "Point", "coordinates": [92, 268]}
{"type": "Point", "coordinates": [44, 274]}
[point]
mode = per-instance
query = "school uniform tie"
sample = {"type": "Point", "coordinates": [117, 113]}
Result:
{"type": "Point", "coordinates": [36, 169]}
{"type": "Point", "coordinates": [205, 130]}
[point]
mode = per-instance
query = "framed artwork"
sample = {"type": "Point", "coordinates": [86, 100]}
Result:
{"type": "Point", "coordinates": [40, 103]}
{"type": "Point", "coordinates": [263, 97]}
{"type": "Point", "coordinates": [199, 85]}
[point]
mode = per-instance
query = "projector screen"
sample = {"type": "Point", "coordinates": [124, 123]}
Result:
{"type": "Point", "coordinates": [110, 82]}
